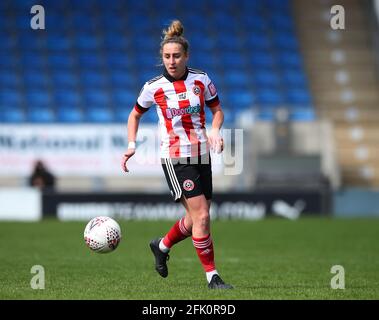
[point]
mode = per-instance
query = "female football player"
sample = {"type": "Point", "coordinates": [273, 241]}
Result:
{"type": "Point", "coordinates": [181, 94]}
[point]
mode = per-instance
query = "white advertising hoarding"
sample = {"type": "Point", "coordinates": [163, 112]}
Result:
{"type": "Point", "coordinates": [20, 204]}
{"type": "Point", "coordinates": [79, 150]}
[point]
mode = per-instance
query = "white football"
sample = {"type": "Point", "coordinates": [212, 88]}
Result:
{"type": "Point", "coordinates": [102, 234]}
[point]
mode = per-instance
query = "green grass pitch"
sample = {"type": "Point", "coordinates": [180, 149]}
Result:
{"type": "Point", "coordinates": [266, 259]}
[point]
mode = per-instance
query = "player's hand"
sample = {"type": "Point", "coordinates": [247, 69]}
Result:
{"type": "Point", "coordinates": [215, 140]}
{"type": "Point", "coordinates": [127, 155]}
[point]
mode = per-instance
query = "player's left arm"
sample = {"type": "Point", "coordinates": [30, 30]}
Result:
{"type": "Point", "coordinates": [215, 139]}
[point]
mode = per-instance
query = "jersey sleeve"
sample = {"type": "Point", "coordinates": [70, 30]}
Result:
{"type": "Point", "coordinates": [145, 99]}
{"type": "Point", "coordinates": [210, 93]}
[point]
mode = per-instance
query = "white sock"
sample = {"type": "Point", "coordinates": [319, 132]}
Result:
{"type": "Point", "coordinates": [162, 247]}
{"type": "Point", "coordinates": [210, 274]}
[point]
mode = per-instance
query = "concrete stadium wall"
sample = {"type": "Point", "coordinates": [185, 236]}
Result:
{"type": "Point", "coordinates": [354, 202]}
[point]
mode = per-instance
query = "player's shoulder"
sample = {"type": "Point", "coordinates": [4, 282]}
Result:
{"type": "Point", "coordinates": [154, 80]}
{"type": "Point", "coordinates": [196, 71]}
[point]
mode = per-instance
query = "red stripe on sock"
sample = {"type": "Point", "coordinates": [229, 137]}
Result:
{"type": "Point", "coordinates": [175, 234]}
{"type": "Point", "coordinates": [204, 250]}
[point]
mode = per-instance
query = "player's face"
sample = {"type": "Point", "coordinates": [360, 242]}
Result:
{"type": "Point", "coordinates": [174, 59]}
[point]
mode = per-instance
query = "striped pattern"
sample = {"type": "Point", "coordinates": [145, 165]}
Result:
{"type": "Point", "coordinates": [183, 229]}
{"type": "Point", "coordinates": [173, 179]}
{"type": "Point", "coordinates": [196, 71]}
{"type": "Point", "coordinates": [202, 243]}
{"type": "Point", "coordinates": [180, 108]}
{"type": "Point", "coordinates": [155, 79]}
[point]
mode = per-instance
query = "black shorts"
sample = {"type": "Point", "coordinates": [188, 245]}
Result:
{"type": "Point", "coordinates": [188, 177]}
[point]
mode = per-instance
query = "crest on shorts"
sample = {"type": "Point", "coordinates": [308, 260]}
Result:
{"type": "Point", "coordinates": [188, 185]}
{"type": "Point", "coordinates": [196, 90]}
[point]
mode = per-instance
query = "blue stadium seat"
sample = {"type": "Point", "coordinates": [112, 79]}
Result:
{"type": "Point", "coordinates": [237, 79]}
{"type": "Point", "coordinates": [115, 41]}
{"type": "Point", "coordinates": [289, 59]}
{"type": "Point", "coordinates": [9, 78]}
{"type": "Point", "coordinates": [10, 97]}
{"type": "Point", "coordinates": [70, 115]}
{"type": "Point", "coordinates": [94, 98]}
{"type": "Point", "coordinates": [233, 59]}
{"type": "Point", "coordinates": [199, 40]}
{"type": "Point", "coordinates": [124, 79]}
{"type": "Point", "coordinates": [59, 43]}
{"type": "Point", "coordinates": [67, 97]}
{"type": "Point", "coordinates": [239, 99]}
{"type": "Point", "coordinates": [90, 60]}
{"type": "Point", "coordinates": [93, 79]}
{"type": "Point", "coordinates": [294, 77]}
{"type": "Point", "coordinates": [116, 60]}
{"type": "Point", "coordinates": [121, 114]}
{"type": "Point", "coordinates": [266, 78]}
{"type": "Point", "coordinates": [302, 114]}
{"type": "Point", "coordinates": [87, 42]}
{"type": "Point", "coordinates": [38, 99]}
{"type": "Point", "coordinates": [254, 22]}
{"type": "Point", "coordinates": [12, 114]}
{"type": "Point", "coordinates": [284, 41]}
{"type": "Point", "coordinates": [150, 116]}
{"type": "Point", "coordinates": [35, 79]}
{"type": "Point", "coordinates": [96, 57]}
{"type": "Point", "coordinates": [59, 61]}
{"type": "Point", "coordinates": [229, 117]}
{"type": "Point", "coordinates": [262, 59]}
{"type": "Point", "coordinates": [124, 98]}
{"type": "Point", "coordinates": [99, 115]}
{"type": "Point", "coordinates": [33, 60]}
{"type": "Point", "coordinates": [266, 114]}
{"type": "Point", "coordinates": [64, 79]}
{"type": "Point", "coordinates": [269, 97]}
{"type": "Point", "coordinates": [298, 97]}
{"type": "Point", "coordinates": [258, 41]}
{"type": "Point", "coordinates": [40, 115]}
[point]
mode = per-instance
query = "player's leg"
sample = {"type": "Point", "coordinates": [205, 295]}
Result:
{"type": "Point", "coordinates": [181, 230]}
{"type": "Point", "coordinates": [198, 208]}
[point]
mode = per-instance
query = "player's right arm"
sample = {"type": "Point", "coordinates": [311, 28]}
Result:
{"type": "Point", "coordinates": [133, 123]}
{"type": "Point", "coordinates": [144, 102]}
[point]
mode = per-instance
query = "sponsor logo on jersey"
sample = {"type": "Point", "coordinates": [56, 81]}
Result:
{"type": "Point", "coordinates": [188, 185]}
{"type": "Point", "coordinates": [170, 113]}
{"type": "Point", "coordinates": [212, 89]}
{"type": "Point", "coordinates": [182, 96]}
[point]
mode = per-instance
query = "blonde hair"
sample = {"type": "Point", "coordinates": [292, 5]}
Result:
{"type": "Point", "coordinates": [174, 34]}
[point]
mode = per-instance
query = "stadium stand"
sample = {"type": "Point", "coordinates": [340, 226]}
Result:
{"type": "Point", "coordinates": [94, 56]}
{"type": "Point", "coordinates": [93, 60]}
{"type": "Point", "coordinates": [343, 74]}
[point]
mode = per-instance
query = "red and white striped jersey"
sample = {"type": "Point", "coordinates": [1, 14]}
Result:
{"type": "Point", "coordinates": [180, 106]}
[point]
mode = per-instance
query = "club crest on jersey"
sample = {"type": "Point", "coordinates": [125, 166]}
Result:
{"type": "Point", "coordinates": [196, 90]}
{"type": "Point", "coordinates": [182, 96]}
{"type": "Point", "coordinates": [171, 112]}
{"type": "Point", "coordinates": [212, 89]}
{"type": "Point", "coordinates": [188, 185]}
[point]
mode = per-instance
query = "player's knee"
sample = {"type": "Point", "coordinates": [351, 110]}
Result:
{"type": "Point", "coordinates": [203, 217]}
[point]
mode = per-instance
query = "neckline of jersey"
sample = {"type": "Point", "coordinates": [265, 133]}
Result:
{"type": "Point", "coordinates": [172, 79]}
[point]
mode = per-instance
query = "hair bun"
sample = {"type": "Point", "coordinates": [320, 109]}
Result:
{"type": "Point", "coordinates": [175, 29]}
